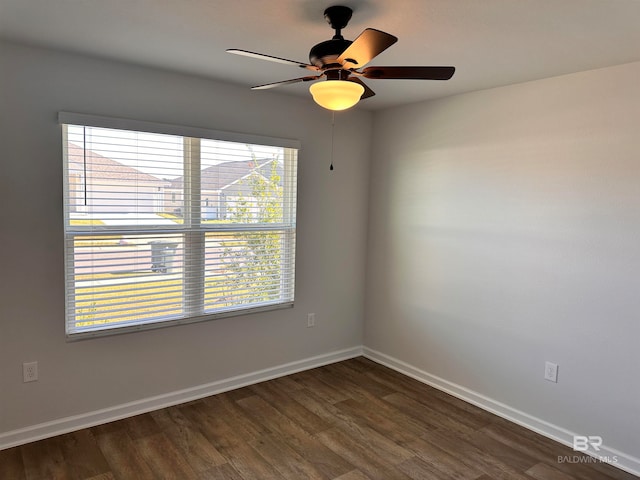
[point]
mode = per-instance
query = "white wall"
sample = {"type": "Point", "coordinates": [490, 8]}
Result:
{"type": "Point", "coordinates": [81, 377]}
{"type": "Point", "coordinates": [505, 231]}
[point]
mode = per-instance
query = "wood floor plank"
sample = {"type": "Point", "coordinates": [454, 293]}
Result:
{"type": "Point", "coordinates": [359, 455]}
{"type": "Point", "coordinates": [286, 384]}
{"type": "Point", "coordinates": [322, 458]}
{"type": "Point", "coordinates": [103, 476]}
{"type": "Point", "coordinates": [212, 424]}
{"type": "Point", "coordinates": [418, 469]}
{"type": "Point", "coordinates": [518, 438]}
{"type": "Point", "coordinates": [289, 464]}
{"type": "Point", "coordinates": [384, 419]}
{"type": "Point", "coordinates": [82, 455]}
{"type": "Point", "coordinates": [11, 465]}
{"type": "Point", "coordinates": [474, 457]}
{"type": "Point", "coordinates": [220, 472]}
{"type": "Point", "coordinates": [164, 460]}
{"type": "Point", "coordinates": [123, 457]}
{"type": "Point", "coordinates": [136, 426]}
{"type": "Point", "coordinates": [271, 420]}
{"type": "Point", "coordinates": [316, 405]}
{"type": "Point", "coordinates": [282, 401]}
{"type": "Point", "coordinates": [348, 376]}
{"type": "Point", "coordinates": [445, 462]}
{"type": "Point", "coordinates": [515, 458]}
{"type": "Point", "coordinates": [249, 463]}
{"type": "Point", "coordinates": [419, 391]}
{"type": "Point", "coordinates": [542, 471]}
{"type": "Point", "coordinates": [283, 426]}
{"type": "Point", "coordinates": [188, 439]}
{"type": "Point", "coordinates": [43, 460]}
{"type": "Point", "coordinates": [362, 364]}
{"type": "Point", "coordinates": [388, 451]}
{"type": "Point", "coordinates": [237, 394]}
{"type": "Point", "coordinates": [353, 475]}
{"type": "Point", "coordinates": [312, 381]}
{"type": "Point", "coordinates": [436, 400]}
{"type": "Point", "coordinates": [435, 419]}
{"type": "Point", "coordinates": [226, 406]}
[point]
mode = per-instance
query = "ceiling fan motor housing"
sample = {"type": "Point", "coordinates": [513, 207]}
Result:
{"type": "Point", "coordinates": [326, 53]}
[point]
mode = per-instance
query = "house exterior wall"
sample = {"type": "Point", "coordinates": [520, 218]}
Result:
{"type": "Point", "coordinates": [213, 207]}
{"type": "Point", "coordinates": [108, 198]}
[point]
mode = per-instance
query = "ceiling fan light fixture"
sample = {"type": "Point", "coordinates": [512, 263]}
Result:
{"type": "Point", "coordinates": [342, 62]}
{"type": "Point", "coordinates": [336, 94]}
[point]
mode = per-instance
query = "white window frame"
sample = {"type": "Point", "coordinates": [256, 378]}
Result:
{"type": "Point", "coordinates": [194, 264]}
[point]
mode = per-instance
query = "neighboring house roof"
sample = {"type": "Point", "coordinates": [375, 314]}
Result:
{"type": "Point", "coordinates": [222, 175]}
{"type": "Point", "coordinates": [99, 167]}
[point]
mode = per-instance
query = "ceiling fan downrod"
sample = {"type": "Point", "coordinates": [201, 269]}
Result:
{"type": "Point", "coordinates": [338, 17]}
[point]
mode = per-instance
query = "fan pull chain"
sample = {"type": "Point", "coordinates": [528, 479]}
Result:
{"type": "Point", "coordinates": [333, 122]}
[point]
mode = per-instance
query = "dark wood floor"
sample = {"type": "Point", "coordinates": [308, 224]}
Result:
{"type": "Point", "coordinates": [353, 420]}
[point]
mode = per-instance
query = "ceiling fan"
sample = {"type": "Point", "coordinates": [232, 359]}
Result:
{"type": "Point", "coordinates": [341, 62]}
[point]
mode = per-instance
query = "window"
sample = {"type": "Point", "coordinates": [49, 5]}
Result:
{"type": "Point", "coordinates": [168, 225]}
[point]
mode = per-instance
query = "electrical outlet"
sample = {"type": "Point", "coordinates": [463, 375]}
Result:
{"type": "Point", "coordinates": [551, 372]}
{"type": "Point", "coordinates": [30, 372]}
{"type": "Point", "coordinates": [311, 320]}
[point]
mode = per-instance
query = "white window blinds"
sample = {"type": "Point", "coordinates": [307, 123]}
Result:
{"type": "Point", "coordinates": [163, 228]}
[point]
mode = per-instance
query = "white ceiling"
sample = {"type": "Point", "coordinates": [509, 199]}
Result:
{"type": "Point", "coordinates": [490, 42]}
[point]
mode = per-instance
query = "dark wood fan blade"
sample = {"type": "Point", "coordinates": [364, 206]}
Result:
{"type": "Point", "coordinates": [409, 73]}
{"type": "Point", "coordinates": [286, 82]}
{"type": "Point", "coordinates": [367, 91]}
{"type": "Point", "coordinates": [262, 56]}
{"type": "Point", "coordinates": [368, 45]}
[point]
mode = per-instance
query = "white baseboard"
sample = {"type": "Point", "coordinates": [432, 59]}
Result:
{"type": "Point", "coordinates": [90, 419]}
{"type": "Point", "coordinates": [618, 459]}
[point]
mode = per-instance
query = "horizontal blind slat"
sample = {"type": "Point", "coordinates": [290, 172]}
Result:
{"type": "Point", "coordinates": [136, 225]}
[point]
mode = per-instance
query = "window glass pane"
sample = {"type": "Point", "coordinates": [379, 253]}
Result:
{"type": "Point", "coordinates": [118, 177]}
{"type": "Point", "coordinates": [162, 229]}
{"type": "Point", "coordinates": [241, 183]}
{"type": "Point", "coordinates": [123, 279]}
{"type": "Point", "coordinates": [248, 269]}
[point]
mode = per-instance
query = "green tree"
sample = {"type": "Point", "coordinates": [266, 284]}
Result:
{"type": "Point", "coordinates": [253, 259]}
